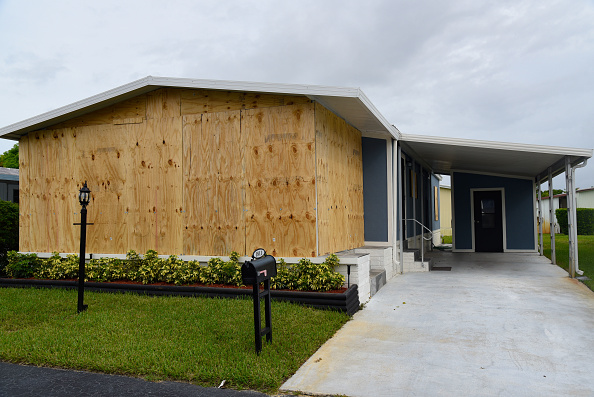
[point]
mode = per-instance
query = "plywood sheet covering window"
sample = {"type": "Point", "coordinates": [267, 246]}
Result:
{"type": "Point", "coordinates": [280, 175]}
{"type": "Point", "coordinates": [48, 198]}
{"type": "Point", "coordinates": [213, 184]}
{"type": "Point", "coordinates": [24, 196]}
{"type": "Point", "coordinates": [157, 192]}
{"type": "Point", "coordinates": [340, 183]}
{"type": "Point", "coordinates": [100, 155]}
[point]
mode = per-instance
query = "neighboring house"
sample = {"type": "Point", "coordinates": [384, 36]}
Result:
{"type": "Point", "coordinates": [9, 184]}
{"type": "Point", "coordinates": [584, 199]}
{"type": "Point", "coordinates": [445, 207]}
{"type": "Point", "coordinates": [204, 167]}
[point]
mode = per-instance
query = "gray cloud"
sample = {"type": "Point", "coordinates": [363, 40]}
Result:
{"type": "Point", "coordinates": [517, 70]}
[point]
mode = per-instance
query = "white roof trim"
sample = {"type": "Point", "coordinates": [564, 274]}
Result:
{"type": "Point", "coordinates": [519, 147]}
{"type": "Point", "coordinates": [323, 94]}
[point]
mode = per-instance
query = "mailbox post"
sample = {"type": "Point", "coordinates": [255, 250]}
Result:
{"type": "Point", "coordinates": [260, 269]}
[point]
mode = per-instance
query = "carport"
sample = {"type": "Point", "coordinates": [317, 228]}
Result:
{"type": "Point", "coordinates": [502, 175]}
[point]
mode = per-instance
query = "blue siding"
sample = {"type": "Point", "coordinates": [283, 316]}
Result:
{"type": "Point", "coordinates": [519, 209]}
{"type": "Point", "coordinates": [375, 189]}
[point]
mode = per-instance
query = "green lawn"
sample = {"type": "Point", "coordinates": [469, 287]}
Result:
{"type": "Point", "coordinates": [198, 340]}
{"type": "Point", "coordinates": [585, 254]}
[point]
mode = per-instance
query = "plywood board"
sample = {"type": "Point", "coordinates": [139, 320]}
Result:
{"type": "Point", "coordinates": [129, 111]}
{"type": "Point", "coordinates": [156, 205]}
{"type": "Point", "coordinates": [24, 196]}
{"type": "Point", "coordinates": [280, 175]}
{"type": "Point", "coordinates": [101, 162]}
{"type": "Point", "coordinates": [198, 101]}
{"type": "Point", "coordinates": [163, 103]}
{"type": "Point", "coordinates": [213, 170]}
{"type": "Point", "coordinates": [339, 183]}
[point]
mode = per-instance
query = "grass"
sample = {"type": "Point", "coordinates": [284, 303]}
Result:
{"type": "Point", "coordinates": [446, 239]}
{"type": "Point", "coordinates": [585, 254]}
{"type": "Point", "coordinates": [198, 340]}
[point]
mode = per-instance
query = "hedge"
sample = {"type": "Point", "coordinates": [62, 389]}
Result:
{"type": "Point", "coordinates": [585, 220]}
{"type": "Point", "coordinates": [9, 231]}
{"type": "Point", "coordinates": [149, 269]}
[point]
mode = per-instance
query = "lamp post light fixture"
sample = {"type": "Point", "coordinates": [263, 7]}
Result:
{"type": "Point", "coordinates": [84, 196]}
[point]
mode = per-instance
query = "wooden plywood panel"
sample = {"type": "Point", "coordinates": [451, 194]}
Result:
{"type": "Point", "coordinates": [213, 169]}
{"type": "Point", "coordinates": [156, 202]}
{"type": "Point", "coordinates": [163, 103]}
{"type": "Point", "coordinates": [280, 175]}
{"type": "Point", "coordinates": [24, 196]}
{"type": "Point", "coordinates": [63, 187]}
{"type": "Point", "coordinates": [197, 101]}
{"type": "Point", "coordinates": [340, 183]}
{"type": "Point", "coordinates": [192, 136]}
{"type": "Point", "coordinates": [40, 206]}
{"type": "Point", "coordinates": [129, 111]}
{"type": "Point", "coordinates": [101, 162]}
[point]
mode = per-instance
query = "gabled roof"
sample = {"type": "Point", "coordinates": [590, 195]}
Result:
{"type": "Point", "coordinates": [349, 103]}
{"type": "Point", "coordinates": [446, 155]}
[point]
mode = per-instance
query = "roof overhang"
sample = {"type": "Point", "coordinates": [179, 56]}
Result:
{"type": "Point", "coordinates": [447, 155]}
{"type": "Point", "coordinates": [348, 103]}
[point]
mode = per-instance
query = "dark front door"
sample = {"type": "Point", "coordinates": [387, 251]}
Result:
{"type": "Point", "coordinates": [488, 221]}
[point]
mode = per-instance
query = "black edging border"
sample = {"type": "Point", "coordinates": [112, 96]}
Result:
{"type": "Point", "coordinates": [347, 301]}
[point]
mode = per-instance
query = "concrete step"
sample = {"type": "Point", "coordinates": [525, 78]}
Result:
{"type": "Point", "coordinates": [377, 279]}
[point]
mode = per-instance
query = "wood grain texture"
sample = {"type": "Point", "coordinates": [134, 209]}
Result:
{"type": "Point", "coordinates": [198, 101]}
{"type": "Point", "coordinates": [24, 196]}
{"type": "Point", "coordinates": [280, 175]}
{"type": "Point", "coordinates": [340, 183]}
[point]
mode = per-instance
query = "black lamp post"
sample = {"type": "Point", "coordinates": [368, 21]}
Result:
{"type": "Point", "coordinates": [84, 196]}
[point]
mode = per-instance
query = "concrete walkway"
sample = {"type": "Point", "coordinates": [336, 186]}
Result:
{"type": "Point", "coordinates": [495, 325]}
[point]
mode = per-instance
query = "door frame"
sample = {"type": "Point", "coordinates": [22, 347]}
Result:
{"type": "Point", "coordinates": [504, 226]}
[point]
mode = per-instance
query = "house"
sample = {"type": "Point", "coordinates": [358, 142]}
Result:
{"type": "Point", "coordinates": [9, 184]}
{"type": "Point", "coordinates": [202, 167]}
{"type": "Point", "coordinates": [445, 209]}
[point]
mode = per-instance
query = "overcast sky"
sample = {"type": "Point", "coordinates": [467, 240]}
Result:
{"type": "Point", "coordinates": [514, 71]}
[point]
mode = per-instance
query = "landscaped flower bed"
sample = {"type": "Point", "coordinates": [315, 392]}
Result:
{"type": "Point", "coordinates": [316, 285]}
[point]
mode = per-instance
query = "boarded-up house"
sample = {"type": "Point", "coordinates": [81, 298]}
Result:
{"type": "Point", "coordinates": [196, 171]}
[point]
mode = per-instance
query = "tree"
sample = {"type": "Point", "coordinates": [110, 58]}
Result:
{"type": "Point", "coordinates": [545, 193]}
{"type": "Point", "coordinates": [10, 158]}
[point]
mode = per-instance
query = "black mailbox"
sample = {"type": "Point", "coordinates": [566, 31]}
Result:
{"type": "Point", "coordinates": [258, 270]}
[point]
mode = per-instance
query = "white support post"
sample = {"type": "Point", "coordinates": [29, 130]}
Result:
{"type": "Point", "coordinates": [400, 193]}
{"type": "Point", "coordinates": [540, 219]}
{"type": "Point", "coordinates": [571, 225]}
{"type": "Point", "coordinates": [414, 189]}
{"type": "Point", "coordinates": [552, 219]}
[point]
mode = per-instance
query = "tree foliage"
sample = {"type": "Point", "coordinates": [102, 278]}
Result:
{"type": "Point", "coordinates": [10, 158]}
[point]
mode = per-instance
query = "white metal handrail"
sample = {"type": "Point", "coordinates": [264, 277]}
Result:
{"type": "Point", "coordinates": [422, 237]}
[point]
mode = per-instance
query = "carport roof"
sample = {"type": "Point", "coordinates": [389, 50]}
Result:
{"type": "Point", "coordinates": [445, 155]}
{"type": "Point", "coordinates": [349, 103]}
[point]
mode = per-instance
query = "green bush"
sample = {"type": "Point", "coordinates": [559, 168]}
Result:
{"type": "Point", "coordinates": [307, 276]}
{"type": "Point", "coordinates": [22, 265]}
{"type": "Point", "coordinates": [303, 276]}
{"type": "Point", "coordinates": [585, 220]}
{"type": "Point", "coordinates": [9, 231]}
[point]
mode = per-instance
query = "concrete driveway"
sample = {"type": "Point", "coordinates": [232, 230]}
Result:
{"type": "Point", "coordinates": [495, 325]}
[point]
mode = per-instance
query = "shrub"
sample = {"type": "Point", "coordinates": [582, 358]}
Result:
{"type": "Point", "coordinates": [303, 276]}
{"type": "Point", "coordinates": [22, 265]}
{"type": "Point", "coordinates": [58, 268]}
{"type": "Point", "coordinates": [307, 276]}
{"type": "Point", "coordinates": [9, 231]}
{"type": "Point", "coordinates": [585, 220]}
